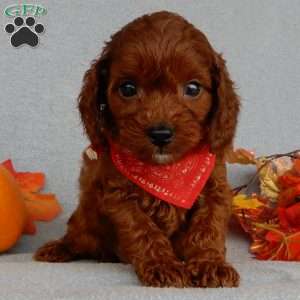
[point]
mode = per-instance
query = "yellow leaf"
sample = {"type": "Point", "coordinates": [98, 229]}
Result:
{"type": "Point", "coordinates": [243, 201]}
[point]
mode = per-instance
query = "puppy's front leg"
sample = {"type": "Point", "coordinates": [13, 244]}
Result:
{"type": "Point", "coordinates": [141, 243]}
{"type": "Point", "coordinates": [204, 242]}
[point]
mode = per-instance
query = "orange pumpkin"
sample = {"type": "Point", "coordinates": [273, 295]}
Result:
{"type": "Point", "coordinates": [21, 204]}
{"type": "Point", "coordinates": [13, 213]}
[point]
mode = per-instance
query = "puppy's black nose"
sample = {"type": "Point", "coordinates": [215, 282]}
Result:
{"type": "Point", "coordinates": [160, 135]}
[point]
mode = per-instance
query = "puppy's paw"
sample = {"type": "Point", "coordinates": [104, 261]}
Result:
{"type": "Point", "coordinates": [163, 274]}
{"type": "Point", "coordinates": [54, 251]}
{"type": "Point", "coordinates": [212, 274]}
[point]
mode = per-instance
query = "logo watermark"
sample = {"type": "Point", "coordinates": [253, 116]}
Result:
{"type": "Point", "coordinates": [24, 30]}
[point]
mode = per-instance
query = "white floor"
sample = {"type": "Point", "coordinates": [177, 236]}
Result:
{"type": "Point", "coordinates": [23, 278]}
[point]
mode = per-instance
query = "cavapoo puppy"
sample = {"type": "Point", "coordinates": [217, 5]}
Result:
{"type": "Point", "coordinates": [160, 112]}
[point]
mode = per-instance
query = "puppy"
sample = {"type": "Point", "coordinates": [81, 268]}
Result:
{"type": "Point", "coordinates": [157, 93]}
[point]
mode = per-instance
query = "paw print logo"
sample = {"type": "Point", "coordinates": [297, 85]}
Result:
{"type": "Point", "coordinates": [24, 33]}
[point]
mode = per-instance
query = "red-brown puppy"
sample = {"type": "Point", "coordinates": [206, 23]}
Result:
{"type": "Point", "coordinates": [159, 71]}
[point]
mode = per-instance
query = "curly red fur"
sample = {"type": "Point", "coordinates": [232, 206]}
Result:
{"type": "Point", "coordinates": [115, 219]}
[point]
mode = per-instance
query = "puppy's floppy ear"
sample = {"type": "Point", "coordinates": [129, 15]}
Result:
{"type": "Point", "coordinates": [225, 109]}
{"type": "Point", "coordinates": [92, 100]}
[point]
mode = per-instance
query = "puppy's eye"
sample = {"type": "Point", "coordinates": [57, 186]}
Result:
{"type": "Point", "coordinates": [128, 89]}
{"type": "Point", "coordinates": [192, 89]}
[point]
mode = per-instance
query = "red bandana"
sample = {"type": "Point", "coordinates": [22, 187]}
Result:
{"type": "Point", "coordinates": [179, 183]}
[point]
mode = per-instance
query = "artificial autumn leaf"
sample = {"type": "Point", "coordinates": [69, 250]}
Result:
{"type": "Point", "coordinates": [31, 182]}
{"type": "Point", "coordinates": [288, 196]}
{"type": "Point", "coordinates": [282, 165]}
{"type": "Point", "coordinates": [289, 218]}
{"type": "Point", "coordinates": [288, 180]}
{"type": "Point", "coordinates": [244, 202]}
{"type": "Point", "coordinates": [8, 166]}
{"type": "Point", "coordinates": [42, 207]}
{"type": "Point", "coordinates": [268, 179]}
{"type": "Point", "coordinates": [240, 156]}
{"type": "Point", "coordinates": [275, 243]}
{"type": "Point", "coordinates": [291, 177]}
{"type": "Point", "coordinates": [271, 240]}
{"type": "Point", "coordinates": [28, 181]}
{"type": "Point", "coordinates": [296, 167]}
{"type": "Point", "coordinates": [272, 218]}
{"type": "Point", "coordinates": [294, 246]}
{"type": "Point", "coordinates": [285, 246]}
{"type": "Point", "coordinates": [289, 184]}
{"type": "Point", "coordinates": [253, 214]}
{"type": "Point", "coordinates": [261, 249]}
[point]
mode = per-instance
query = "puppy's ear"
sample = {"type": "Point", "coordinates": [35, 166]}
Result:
{"type": "Point", "coordinates": [225, 109]}
{"type": "Point", "coordinates": [92, 100]}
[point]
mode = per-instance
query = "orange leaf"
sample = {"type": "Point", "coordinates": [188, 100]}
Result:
{"type": "Point", "coordinates": [264, 252]}
{"type": "Point", "coordinates": [9, 166]}
{"type": "Point", "coordinates": [290, 217]}
{"type": "Point", "coordinates": [28, 181]}
{"type": "Point", "coordinates": [31, 182]}
{"type": "Point", "coordinates": [296, 166]}
{"type": "Point", "coordinates": [287, 196]}
{"type": "Point", "coordinates": [281, 246]}
{"type": "Point", "coordinates": [273, 236]}
{"type": "Point", "coordinates": [288, 180]}
{"type": "Point", "coordinates": [293, 214]}
{"type": "Point", "coordinates": [240, 156]}
{"type": "Point", "coordinates": [42, 207]}
{"type": "Point", "coordinates": [278, 245]}
{"type": "Point", "coordinates": [294, 246]}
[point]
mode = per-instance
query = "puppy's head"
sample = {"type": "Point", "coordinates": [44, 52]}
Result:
{"type": "Point", "coordinates": [160, 90]}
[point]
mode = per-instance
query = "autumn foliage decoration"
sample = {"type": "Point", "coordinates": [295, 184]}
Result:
{"type": "Point", "coordinates": [272, 216]}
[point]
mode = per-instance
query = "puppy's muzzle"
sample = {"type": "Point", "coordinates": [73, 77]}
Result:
{"type": "Point", "coordinates": [160, 135]}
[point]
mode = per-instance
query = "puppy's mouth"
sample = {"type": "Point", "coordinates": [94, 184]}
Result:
{"type": "Point", "coordinates": [162, 157]}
